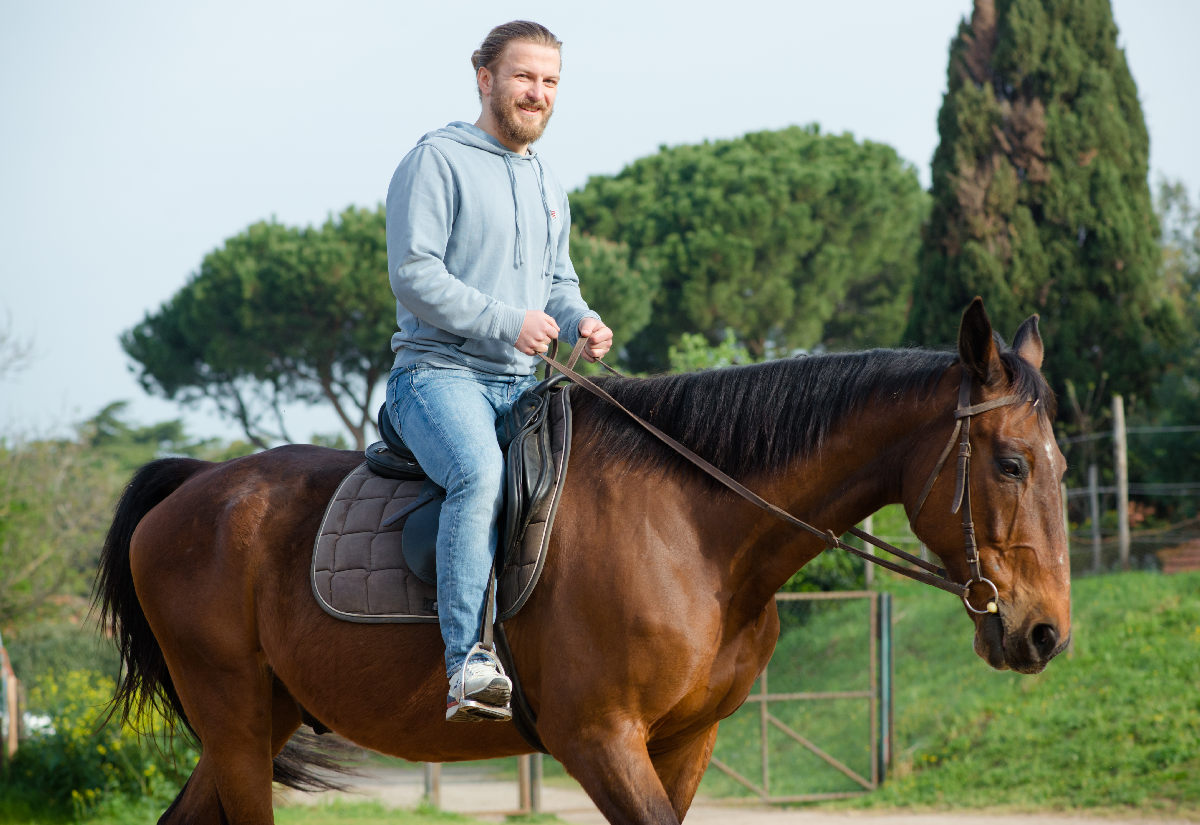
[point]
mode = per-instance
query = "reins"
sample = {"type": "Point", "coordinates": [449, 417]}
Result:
{"type": "Point", "coordinates": [928, 573]}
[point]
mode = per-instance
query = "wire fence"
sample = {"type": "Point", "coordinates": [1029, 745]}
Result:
{"type": "Point", "coordinates": [1130, 494]}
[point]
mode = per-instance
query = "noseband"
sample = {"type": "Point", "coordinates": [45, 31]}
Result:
{"type": "Point", "coordinates": [928, 573]}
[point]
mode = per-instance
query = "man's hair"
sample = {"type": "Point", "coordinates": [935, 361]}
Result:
{"type": "Point", "coordinates": [493, 45]}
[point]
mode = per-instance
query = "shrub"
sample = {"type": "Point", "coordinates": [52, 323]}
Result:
{"type": "Point", "coordinates": [76, 765]}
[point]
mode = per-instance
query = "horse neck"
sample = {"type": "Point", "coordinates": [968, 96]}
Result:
{"type": "Point", "coordinates": [860, 468]}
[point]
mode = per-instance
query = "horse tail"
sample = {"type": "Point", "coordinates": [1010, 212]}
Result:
{"type": "Point", "coordinates": [146, 679]}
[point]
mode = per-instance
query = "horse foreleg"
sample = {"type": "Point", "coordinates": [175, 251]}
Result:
{"type": "Point", "coordinates": [616, 771]}
{"type": "Point", "coordinates": [682, 766]}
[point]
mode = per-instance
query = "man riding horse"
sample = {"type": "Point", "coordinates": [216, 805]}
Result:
{"type": "Point", "coordinates": [477, 233]}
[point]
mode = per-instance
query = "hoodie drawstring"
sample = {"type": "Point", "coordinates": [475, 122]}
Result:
{"type": "Point", "coordinates": [548, 255]}
{"type": "Point", "coordinates": [518, 257]}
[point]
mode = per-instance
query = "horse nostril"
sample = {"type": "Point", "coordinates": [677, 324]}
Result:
{"type": "Point", "coordinates": [1045, 639]}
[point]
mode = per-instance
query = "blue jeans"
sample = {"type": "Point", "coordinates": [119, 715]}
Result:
{"type": "Point", "coordinates": [447, 417]}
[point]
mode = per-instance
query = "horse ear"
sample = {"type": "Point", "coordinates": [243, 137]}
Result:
{"type": "Point", "coordinates": [1028, 342]}
{"type": "Point", "coordinates": [977, 345]}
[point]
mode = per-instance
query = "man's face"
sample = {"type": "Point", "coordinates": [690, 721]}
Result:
{"type": "Point", "coordinates": [520, 91]}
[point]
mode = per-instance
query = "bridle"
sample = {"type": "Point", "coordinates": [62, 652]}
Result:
{"type": "Point", "coordinates": [928, 572]}
{"type": "Point", "coordinates": [962, 486]}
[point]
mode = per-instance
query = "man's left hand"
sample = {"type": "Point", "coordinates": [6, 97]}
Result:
{"type": "Point", "coordinates": [599, 338]}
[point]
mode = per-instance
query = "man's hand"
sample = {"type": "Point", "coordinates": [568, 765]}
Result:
{"type": "Point", "coordinates": [538, 330]}
{"type": "Point", "coordinates": [599, 338]}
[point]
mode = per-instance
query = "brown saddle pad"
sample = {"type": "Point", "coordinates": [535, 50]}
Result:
{"type": "Point", "coordinates": [358, 569]}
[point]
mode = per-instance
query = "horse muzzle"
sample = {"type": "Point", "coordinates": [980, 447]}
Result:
{"type": "Point", "coordinates": [1026, 647]}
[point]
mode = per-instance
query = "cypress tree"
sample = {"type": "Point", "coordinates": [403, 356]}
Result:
{"type": "Point", "coordinates": [1040, 196]}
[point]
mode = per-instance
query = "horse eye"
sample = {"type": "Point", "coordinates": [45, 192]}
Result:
{"type": "Point", "coordinates": [1013, 467]}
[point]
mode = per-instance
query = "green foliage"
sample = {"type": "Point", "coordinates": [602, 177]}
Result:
{"type": "Point", "coordinates": [1174, 457]}
{"type": "Point", "coordinates": [56, 500]}
{"type": "Point", "coordinates": [693, 352]}
{"type": "Point", "coordinates": [55, 504]}
{"type": "Point", "coordinates": [611, 284]}
{"type": "Point", "coordinates": [1040, 200]}
{"type": "Point", "coordinates": [78, 768]}
{"type": "Point", "coordinates": [39, 649]}
{"type": "Point", "coordinates": [277, 315]}
{"type": "Point", "coordinates": [789, 238]}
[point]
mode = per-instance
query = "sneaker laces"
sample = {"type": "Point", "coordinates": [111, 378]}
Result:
{"type": "Point", "coordinates": [489, 656]}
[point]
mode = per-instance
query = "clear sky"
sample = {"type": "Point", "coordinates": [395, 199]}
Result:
{"type": "Point", "coordinates": [135, 136]}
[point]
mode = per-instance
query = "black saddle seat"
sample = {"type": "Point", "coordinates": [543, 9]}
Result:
{"type": "Point", "coordinates": [391, 457]}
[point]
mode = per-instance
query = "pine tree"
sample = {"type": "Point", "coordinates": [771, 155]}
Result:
{"type": "Point", "coordinates": [1041, 201]}
{"type": "Point", "coordinates": [789, 239]}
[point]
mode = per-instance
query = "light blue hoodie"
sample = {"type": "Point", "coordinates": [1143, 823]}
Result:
{"type": "Point", "coordinates": [477, 235]}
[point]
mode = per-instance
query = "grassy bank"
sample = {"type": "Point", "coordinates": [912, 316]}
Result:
{"type": "Point", "coordinates": [1114, 724]}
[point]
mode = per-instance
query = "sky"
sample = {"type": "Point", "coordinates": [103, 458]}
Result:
{"type": "Point", "coordinates": [135, 137]}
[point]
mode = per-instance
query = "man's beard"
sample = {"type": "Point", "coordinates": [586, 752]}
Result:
{"type": "Point", "coordinates": [518, 130]}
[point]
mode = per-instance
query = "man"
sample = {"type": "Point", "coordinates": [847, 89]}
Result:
{"type": "Point", "coordinates": [477, 233]}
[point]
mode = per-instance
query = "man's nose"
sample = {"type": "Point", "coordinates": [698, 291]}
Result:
{"type": "Point", "coordinates": [537, 91]}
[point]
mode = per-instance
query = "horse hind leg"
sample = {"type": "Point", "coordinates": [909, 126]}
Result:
{"type": "Point", "coordinates": [200, 801]}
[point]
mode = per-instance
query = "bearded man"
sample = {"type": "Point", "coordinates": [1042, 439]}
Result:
{"type": "Point", "coordinates": [477, 231]}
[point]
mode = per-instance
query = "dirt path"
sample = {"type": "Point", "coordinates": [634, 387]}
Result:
{"type": "Point", "coordinates": [476, 791]}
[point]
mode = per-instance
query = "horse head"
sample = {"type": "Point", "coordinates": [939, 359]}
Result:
{"type": "Point", "coordinates": [1008, 485]}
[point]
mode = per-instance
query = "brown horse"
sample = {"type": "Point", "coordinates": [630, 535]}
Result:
{"type": "Point", "coordinates": [655, 612]}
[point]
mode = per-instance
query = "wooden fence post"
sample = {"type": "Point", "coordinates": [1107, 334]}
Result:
{"type": "Point", "coordinates": [1121, 458]}
{"type": "Point", "coordinates": [1093, 476]}
{"type": "Point", "coordinates": [12, 703]}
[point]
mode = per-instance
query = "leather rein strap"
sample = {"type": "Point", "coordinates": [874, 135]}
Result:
{"type": "Point", "coordinates": [928, 573]}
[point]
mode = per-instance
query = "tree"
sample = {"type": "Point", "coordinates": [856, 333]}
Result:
{"type": "Point", "coordinates": [277, 315]}
{"type": "Point", "coordinates": [1040, 198]}
{"type": "Point", "coordinates": [790, 238]}
{"type": "Point", "coordinates": [15, 353]}
{"type": "Point", "coordinates": [56, 500]}
{"type": "Point", "coordinates": [612, 283]}
{"type": "Point", "coordinates": [1173, 456]}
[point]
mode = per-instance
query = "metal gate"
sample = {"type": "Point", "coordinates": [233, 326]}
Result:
{"type": "Point", "coordinates": [842, 753]}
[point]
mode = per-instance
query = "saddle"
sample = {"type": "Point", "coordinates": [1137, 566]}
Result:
{"type": "Point", "coordinates": [373, 559]}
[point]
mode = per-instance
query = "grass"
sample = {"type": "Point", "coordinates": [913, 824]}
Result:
{"type": "Point", "coordinates": [340, 812]}
{"type": "Point", "coordinates": [1112, 725]}
{"type": "Point", "coordinates": [375, 813]}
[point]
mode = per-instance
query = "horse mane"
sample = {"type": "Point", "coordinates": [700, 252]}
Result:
{"type": "Point", "coordinates": [757, 419]}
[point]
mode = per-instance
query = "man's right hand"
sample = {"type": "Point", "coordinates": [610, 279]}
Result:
{"type": "Point", "coordinates": [538, 330]}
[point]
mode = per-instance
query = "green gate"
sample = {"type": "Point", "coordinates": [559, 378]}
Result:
{"type": "Point", "coordinates": [818, 724]}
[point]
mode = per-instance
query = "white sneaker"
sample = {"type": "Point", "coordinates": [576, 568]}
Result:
{"type": "Point", "coordinates": [479, 690]}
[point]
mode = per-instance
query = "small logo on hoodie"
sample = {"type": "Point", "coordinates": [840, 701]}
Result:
{"type": "Point", "coordinates": [553, 214]}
